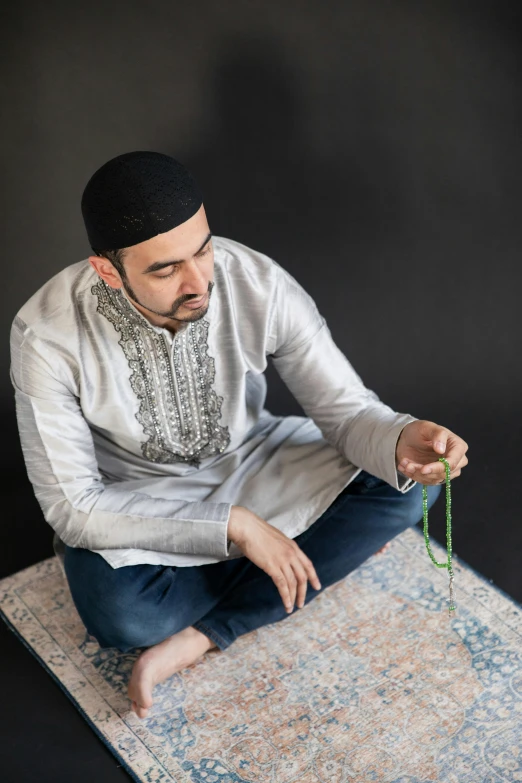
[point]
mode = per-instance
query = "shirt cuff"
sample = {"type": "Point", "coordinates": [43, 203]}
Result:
{"type": "Point", "coordinates": [402, 482]}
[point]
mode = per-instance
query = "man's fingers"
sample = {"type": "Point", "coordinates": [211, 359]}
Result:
{"type": "Point", "coordinates": [292, 580]}
{"type": "Point", "coordinates": [439, 468]}
{"type": "Point", "coordinates": [438, 479]}
{"type": "Point", "coordinates": [434, 473]}
{"type": "Point", "coordinates": [292, 585]}
{"type": "Point", "coordinates": [310, 570]}
{"type": "Point", "coordinates": [298, 593]}
{"type": "Point", "coordinates": [281, 582]}
{"type": "Point", "coordinates": [302, 584]}
{"type": "Point", "coordinates": [456, 458]}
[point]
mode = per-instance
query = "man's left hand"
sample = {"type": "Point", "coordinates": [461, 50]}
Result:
{"type": "Point", "coordinates": [419, 447]}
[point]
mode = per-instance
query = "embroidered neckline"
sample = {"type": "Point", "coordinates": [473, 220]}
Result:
{"type": "Point", "coordinates": [178, 406]}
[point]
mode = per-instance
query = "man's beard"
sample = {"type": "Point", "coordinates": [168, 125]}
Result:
{"type": "Point", "coordinates": [132, 295]}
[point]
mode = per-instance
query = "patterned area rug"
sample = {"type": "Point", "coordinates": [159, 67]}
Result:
{"type": "Point", "coordinates": [372, 681]}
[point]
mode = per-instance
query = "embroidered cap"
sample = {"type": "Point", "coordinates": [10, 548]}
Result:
{"type": "Point", "coordinates": [136, 196]}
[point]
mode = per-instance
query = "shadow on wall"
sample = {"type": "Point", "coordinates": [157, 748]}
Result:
{"type": "Point", "coordinates": [263, 182]}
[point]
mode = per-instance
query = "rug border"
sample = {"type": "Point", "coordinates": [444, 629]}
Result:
{"type": "Point", "coordinates": [71, 698]}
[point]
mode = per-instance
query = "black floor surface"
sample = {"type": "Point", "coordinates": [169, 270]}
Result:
{"type": "Point", "coordinates": [44, 738]}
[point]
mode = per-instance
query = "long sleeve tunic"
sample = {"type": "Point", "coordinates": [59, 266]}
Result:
{"type": "Point", "coordinates": [137, 441]}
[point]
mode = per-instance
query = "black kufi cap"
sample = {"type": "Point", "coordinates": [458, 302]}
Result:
{"type": "Point", "coordinates": [136, 196]}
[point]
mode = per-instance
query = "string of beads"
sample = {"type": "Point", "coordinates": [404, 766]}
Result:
{"type": "Point", "coordinates": [447, 564]}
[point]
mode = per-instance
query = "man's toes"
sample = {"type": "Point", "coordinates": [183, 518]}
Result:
{"type": "Point", "coordinates": [140, 711]}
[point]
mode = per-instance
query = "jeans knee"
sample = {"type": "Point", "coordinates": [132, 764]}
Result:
{"type": "Point", "coordinates": [109, 603]}
{"type": "Point", "coordinates": [126, 633]}
{"type": "Point", "coordinates": [122, 625]}
{"type": "Point", "coordinates": [122, 637]}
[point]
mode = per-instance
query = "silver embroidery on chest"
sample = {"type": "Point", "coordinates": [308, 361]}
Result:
{"type": "Point", "coordinates": [178, 410]}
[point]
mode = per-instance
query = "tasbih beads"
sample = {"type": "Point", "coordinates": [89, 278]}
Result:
{"type": "Point", "coordinates": [447, 564]}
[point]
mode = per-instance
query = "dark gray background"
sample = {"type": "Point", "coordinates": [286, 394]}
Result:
{"type": "Point", "coordinates": [371, 147]}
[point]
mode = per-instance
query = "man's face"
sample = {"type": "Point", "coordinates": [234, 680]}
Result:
{"type": "Point", "coordinates": [166, 273]}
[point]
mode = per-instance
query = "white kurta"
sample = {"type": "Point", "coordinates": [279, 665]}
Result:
{"type": "Point", "coordinates": [138, 442]}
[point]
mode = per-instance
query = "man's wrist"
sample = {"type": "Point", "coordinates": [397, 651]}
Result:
{"type": "Point", "coordinates": [397, 444]}
{"type": "Point", "coordinates": [233, 524]}
{"type": "Point", "coordinates": [396, 447]}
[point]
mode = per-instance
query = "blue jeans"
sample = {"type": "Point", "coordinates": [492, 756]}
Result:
{"type": "Point", "coordinates": [141, 605]}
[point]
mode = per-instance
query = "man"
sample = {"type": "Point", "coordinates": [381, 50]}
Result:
{"type": "Point", "coordinates": [184, 513]}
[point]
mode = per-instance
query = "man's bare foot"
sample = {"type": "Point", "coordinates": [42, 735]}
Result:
{"type": "Point", "coordinates": [383, 548]}
{"type": "Point", "coordinates": [161, 661]}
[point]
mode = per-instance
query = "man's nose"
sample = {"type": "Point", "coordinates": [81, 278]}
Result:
{"type": "Point", "coordinates": [195, 283]}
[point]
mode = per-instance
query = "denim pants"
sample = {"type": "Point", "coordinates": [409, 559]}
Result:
{"type": "Point", "coordinates": [141, 605]}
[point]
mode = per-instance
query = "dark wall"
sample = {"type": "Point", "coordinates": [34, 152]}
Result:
{"type": "Point", "coordinates": [371, 147]}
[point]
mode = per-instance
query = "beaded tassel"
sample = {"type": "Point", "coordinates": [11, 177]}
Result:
{"type": "Point", "coordinates": [447, 564]}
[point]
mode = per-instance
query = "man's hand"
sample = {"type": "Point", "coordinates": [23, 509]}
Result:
{"type": "Point", "coordinates": [420, 445]}
{"type": "Point", "coordinates": [276, 554]}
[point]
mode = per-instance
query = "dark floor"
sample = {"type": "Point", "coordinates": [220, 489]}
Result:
{"type": "Point", "coordinates": [44, 738]}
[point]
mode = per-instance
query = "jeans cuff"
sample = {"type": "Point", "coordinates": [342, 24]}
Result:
{"type": "Point", "coordinates": [212, 635]}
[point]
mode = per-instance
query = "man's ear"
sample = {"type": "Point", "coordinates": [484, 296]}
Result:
{"type": "Point", "coordinates": [106, 271]}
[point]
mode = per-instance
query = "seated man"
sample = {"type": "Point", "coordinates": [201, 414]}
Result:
{"type": "Point", "coordinates": [184, 513]}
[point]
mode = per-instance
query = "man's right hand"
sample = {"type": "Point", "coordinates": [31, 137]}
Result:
{"type": "Point", "coordinates": [276, 554]}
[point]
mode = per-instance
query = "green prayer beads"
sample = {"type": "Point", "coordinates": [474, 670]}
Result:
{"type": "Point", "coordinates": [447, 564]}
